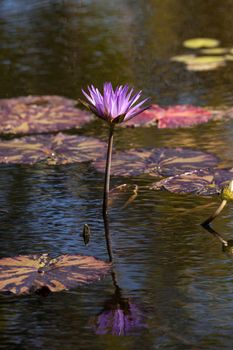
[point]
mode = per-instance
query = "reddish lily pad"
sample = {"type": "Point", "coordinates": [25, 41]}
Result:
{"type": "Point", "coordinates": [40, 114]}
{"type": "Point", "coordinates": [59, 149]}
{"type": "Point", "coordinates": [204, 182]}
{"type": "Point", "coordinates": [157, 161]}
{"type": "Point", "coordinates": [171, 117]}
{"type": "Point", "coordinates": [26, 274]}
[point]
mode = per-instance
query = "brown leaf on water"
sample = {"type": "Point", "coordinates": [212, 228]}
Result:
{"type": "Point", "coordinates": [203, 182]}
{"type": "Point", "coordinates": [26, 274]}
{"type": "Point", "coordinates": [58, 149]}
{"type": "Point", "coordinates": [40, 114]}
{"type": "Point", "coordinates": [157, 161]}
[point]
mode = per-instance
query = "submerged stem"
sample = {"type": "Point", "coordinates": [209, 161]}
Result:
{"type": "Point", "coordinates": [107, 237]}
{"type": "Point", "coordinates": [216, 234]}
{"type": "Point", "coordinates": [106, 192]}
{"type": "Point", "coordinates": [215, 214]}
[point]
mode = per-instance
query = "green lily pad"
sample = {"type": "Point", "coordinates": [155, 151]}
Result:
{"type": "Point", "coordinates": [204, 182]}
{"type": "Point", "coordinates": [206, 60]}
{"type": "Point", "coordinates": [204, 63]}
{"type": "Point", "coordinates": [229, 57]}
{"type": "Point", "coordinates": [40, 114]}
{"type": "Point", "coordinates": [214, 51]}
{"type": "Point", "coordinates": [52, 150]}
{"type": "Point", "coordinates": [26, 274]}
{"type": "Point", "coordinates": [156, 161]}
{"type": "Point", "coordinates": [183, 58]}
{"type": "Point", "coordinates": [197, 43]}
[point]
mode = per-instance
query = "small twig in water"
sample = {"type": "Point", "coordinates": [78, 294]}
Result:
{"type": "Point", "coordinates": [132, 198]}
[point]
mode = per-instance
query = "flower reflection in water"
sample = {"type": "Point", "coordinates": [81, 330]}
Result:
{"type": "Point", "coordinates": [119, 317]}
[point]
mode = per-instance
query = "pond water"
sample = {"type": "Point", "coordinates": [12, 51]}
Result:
{"type": "Point", "coordinates": [166, 263]}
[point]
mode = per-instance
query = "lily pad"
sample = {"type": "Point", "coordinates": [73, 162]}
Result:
{"type": "Point", "coordinates": [171, 117]}
{"type": "Point", "coordinates": [40, 114]}
{"type": "Point", "coordinates": [204, 182]}
{"type": "Point", "coordinates": [147, 118]}
{"type": "Point", "coordinates": [203, 63]}
{"type": "Point", "coordinates": [183, 58]}
{"type": "Point", "coordinates": [156, 161]}
{"type": "Point", "coordinates": [26, 274]}
{"type": "Point", "coordinates": [59, 149]}
{"type": "Point", "coordinates": [229, 57]}
{"type": "Point", "coordinates": [197, 43]}
{"type": "Point", "coordinates": [214, 51]}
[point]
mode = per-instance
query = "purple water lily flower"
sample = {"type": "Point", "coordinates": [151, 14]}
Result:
{"type": "Point", "coordinates": [114, 106]}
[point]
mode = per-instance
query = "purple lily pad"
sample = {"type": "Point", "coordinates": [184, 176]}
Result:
{"type": "Point", "coordinates": [204, 182]}
{"type": "Point", "coordinates": [171, 117]}
{"type": "Point", "coordinates": [157, 161]}
{"type": "Point", "coordinates": [40, 114]}
{"type": "Point", "coordinates": [59, 149]}
{"type": "Point", "coordinates": [26, 274]}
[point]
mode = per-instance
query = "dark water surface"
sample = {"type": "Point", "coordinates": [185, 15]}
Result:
{"type": "Point", "coordinates": [165, 262]}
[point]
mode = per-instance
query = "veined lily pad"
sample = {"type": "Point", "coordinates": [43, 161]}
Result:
{"type": "Point", "coordinates": [171, 117]}
{"type": "Point", "coordinates": [59, 149]}
{"type": "Point", "coordinates": [156, 161]}
{"type": "Point", "coordinates": [40, 114]}
{"type": "Point", "coordinates": [204, 182]}
{"type": "Point", "coordinates": [197, 43]}
{"type": "Point", "coordinates": [26, 274]}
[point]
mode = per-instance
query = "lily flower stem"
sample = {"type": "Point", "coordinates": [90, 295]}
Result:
{"type": "Point", "coordinates": [106, 190]}
{"type": "Point", "coordinates": [215, 214]}
{"type": "Point", "coordinates": [107, 171]}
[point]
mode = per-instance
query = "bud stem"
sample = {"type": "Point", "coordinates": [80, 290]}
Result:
{"type": "Point", "coordinates": [215, 214]}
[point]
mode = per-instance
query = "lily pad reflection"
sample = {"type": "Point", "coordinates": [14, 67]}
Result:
{"type": "Point", "coordinates": [59, 149]}
{"type": "Point", "coordinates": [40, 114]}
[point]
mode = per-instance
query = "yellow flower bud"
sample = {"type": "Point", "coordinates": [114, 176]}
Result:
{"type": "Point", "coordinates": [227, 192]}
